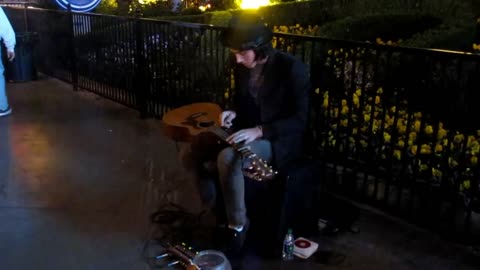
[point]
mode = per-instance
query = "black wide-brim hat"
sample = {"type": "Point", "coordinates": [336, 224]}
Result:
{"type": "Point", "coordinates": [245, 32]}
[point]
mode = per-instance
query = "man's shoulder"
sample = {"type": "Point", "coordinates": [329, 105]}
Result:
{"type": "Point", "coordinates": [286, 59]}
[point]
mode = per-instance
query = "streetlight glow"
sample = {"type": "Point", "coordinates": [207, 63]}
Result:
{"type": "Point", "coordinates": [250, 4]}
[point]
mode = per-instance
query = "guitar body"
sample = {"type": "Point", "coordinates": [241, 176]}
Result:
{"type": "Point", "coordinates": [198, 123]}
{"type": "Point", "coordinates": [186, 122]}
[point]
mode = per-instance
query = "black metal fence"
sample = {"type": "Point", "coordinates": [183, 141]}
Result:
{"type": "Point", "coordinates": [395, 127]}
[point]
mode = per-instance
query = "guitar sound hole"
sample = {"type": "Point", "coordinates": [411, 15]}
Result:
{"type": "Point", "coordinates": [205, 124]}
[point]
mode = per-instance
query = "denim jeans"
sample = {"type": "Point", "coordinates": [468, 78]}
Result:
{"type": "Point", "coordinates": [232, 182]}
{"type": "Point", "coordinates": [230, 177]}
{"type": "Point", "coordinates": [3, 94]}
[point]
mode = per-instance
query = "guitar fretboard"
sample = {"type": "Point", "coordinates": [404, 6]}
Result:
{"type": "Point", "coordinates": [222, 134]}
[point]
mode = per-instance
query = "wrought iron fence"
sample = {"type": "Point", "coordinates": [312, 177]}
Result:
{"type": "Point", "coordinates": [394, 127]}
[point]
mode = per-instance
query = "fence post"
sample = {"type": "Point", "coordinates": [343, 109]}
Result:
{"type": "Point", "coordinates": [140, 67]}
{"type": "Point", "coordinates": [73, 55]}
{"type": "Point", "coordinates": [25, 16]}
{"type": "Point", "coordinates": [477, 29]}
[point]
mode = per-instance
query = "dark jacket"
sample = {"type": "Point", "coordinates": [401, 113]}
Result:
{"type": "Point", "coordinates": [282, 105]}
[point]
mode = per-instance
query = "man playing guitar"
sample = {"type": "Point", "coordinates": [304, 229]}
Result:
{"type": "Point", "coordinates": [268, 114]}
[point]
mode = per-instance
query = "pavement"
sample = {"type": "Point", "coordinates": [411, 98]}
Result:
{"type": "Point", "coordinates": [81, 176]}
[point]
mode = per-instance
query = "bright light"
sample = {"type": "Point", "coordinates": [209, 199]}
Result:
{"type": "Point", "coordinates": [203, 8]}
{"type": "Point", "coordinates": [146, 2]}
{"type": "Point", "coordinates": [247, 4]}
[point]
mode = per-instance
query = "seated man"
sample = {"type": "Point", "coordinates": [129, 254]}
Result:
{"type": "Point", "coordinates": [268, 114]}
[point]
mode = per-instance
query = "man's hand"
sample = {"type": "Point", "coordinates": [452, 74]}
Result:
{"type": "Point", "coordinates": [10, 55]}
{"type": "Point", "coordinates": [226, 118]}
{"type": "Point", "coordinates": [245, 135]}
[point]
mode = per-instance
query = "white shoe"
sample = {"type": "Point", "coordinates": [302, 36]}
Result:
{"type": "Point", "coordinates": [5, 112]}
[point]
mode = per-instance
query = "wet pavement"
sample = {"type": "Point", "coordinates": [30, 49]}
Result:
{"type": "Point", "coordinates": [81, 175]}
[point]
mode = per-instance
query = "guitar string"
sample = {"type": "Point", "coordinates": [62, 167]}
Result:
{"type": "Point", "coordinates": [245, 151]}
{"type": "Point", "coordinates": [224, 135]}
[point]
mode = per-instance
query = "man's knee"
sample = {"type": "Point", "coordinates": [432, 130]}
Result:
{"type": "Point", "coordinates": [228, 157]}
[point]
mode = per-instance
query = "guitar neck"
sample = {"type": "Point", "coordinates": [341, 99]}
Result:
{"type": "Point", "coordinates": [222, 134]}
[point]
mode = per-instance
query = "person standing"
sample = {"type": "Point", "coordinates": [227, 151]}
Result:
{"type": "Point", "coordinates": [8, 36]}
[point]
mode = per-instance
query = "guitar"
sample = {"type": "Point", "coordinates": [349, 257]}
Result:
{"type": "Point", "coordinates": [186, 122]}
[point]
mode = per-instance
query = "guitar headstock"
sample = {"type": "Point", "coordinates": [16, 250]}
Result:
{"type": "Point", "coordinates": [258, 169]}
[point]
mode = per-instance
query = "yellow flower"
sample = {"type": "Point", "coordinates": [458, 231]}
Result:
{"type": "Point", "coordinates": [377, 100]}
{"type": "Point", "coordinates": [437, 172]}
{"type": "Point", "coordinates": [475, 149]}
{"type": "Point", "coordinates": [397, 154]}
{"type": "Point", "coordinates": [442, 133]}
{"type": "Point", "coordinates": [386, 137]}
{"type": "Point", "coordinates": [471, 141]}
{"type": "Point", "coordinates": [438, 148]}
{"type": "Point", "coordinates": [458, 138]}
{"type": "Point", "coordinates": [380, 91]}
{"type": "Point", "coordinates": [329, 52]}
{"type": "Point", "coordinates": [466, 184]}
{"type": "Point", "coordinates": [445, 142]}
{"type": "Point", "coordinates": [416, 126]}
{"type": "Point", "coordinates": [325, 102]}
{"type": "Point", "coordinates": [317, 91]}
{"type": "Point", "coordinates": [402, 129]}
{"type": "Point", "coordinates": [401, 143]}
{"type": "Point", "coordinates": [473, 160]}
{"type": "Point", "coordinates": [368, 108]}
{"type": "Point", "coordinates": [363, 143]}
{"type": "Point", "coordinates": [344, 110]}
{"type": "Point", "coordinates": [412, 136]}
{"type": "Point", "coordinates": [413, 149]}
{"type": "Point", "coordinates": [389, 121]}
{"type": "Point", "coordinates": [429, 129]}
{"type": "Point", "coordinates": [425, 149]}
{"type": "Point", "coordinates": [358, 92]}
{"type": "Point", "coordinates": [356, 101]}
{"type": "Point", "coordinates": [452, 162]}
{"type": "Point", "coordinates": [423, 167]}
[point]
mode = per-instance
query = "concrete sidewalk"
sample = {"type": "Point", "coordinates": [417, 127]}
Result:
{"type": "Point", "coordinates": [80, 175]}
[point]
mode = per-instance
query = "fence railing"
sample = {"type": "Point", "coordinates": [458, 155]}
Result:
{"type": "Point", "coordinates": [394, 127]}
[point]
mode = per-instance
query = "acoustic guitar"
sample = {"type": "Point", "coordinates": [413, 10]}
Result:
{"type": "Point", "coordinates": [186, 122]}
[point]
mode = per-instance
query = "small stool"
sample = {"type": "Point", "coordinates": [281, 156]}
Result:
{"type": "Point", "coordinates": [285, 202]}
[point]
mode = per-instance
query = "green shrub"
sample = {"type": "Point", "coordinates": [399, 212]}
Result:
{"type": "Point", "coordinates": [388, 27]}
{"type": "Point", "coordinates": [107, 7]}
